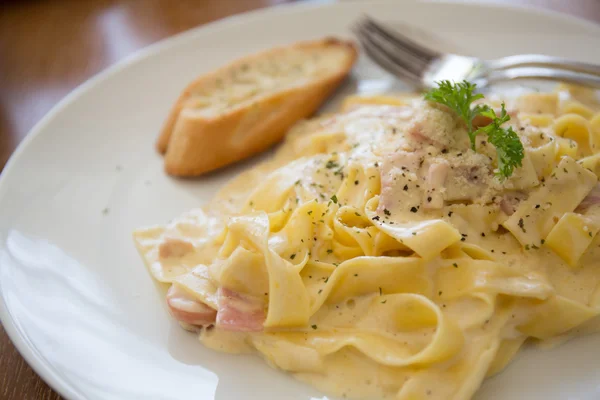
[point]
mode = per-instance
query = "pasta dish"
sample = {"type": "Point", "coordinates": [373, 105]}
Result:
{"type": "Point", "coordinates": [384, 252]}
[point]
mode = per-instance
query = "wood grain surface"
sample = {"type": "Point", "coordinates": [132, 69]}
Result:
{"type": "Point", "coordinates": [48, 47]}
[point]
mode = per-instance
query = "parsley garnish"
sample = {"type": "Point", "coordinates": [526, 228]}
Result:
{"type": "Point", "coordinates": [331, 164]}
{"type": "Point", "coordinates": [508, 146]}
{"type": "Point", "coordinates": [334, 199]}
{"type": "Point", "coordinates": [459, 97]}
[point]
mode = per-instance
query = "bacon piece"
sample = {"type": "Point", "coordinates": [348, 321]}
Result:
{"type": "Point", "coordinates": [404, 160]}
{"type": "Point", "coordinates": [239, 312]}
{"type": "Point", "coordinates": [417, 132]}
{"type": "Point", "coordinates": [187, 309]}
{"type": "Point", "coordinates": [436, 178]}
{"type": "Point", "coordinates": [510, 202]}
{"type": "Point", "coordinates": [481, 121]}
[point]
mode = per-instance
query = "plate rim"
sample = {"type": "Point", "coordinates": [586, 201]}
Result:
{"type": "Point", "coordinates": [16, 333]}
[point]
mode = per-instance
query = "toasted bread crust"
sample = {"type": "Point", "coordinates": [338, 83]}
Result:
{"type": "Point", "coordinates": [195, 143]}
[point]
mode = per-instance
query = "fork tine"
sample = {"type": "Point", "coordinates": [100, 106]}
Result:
{"type": "Point", "coordinates": [381, 49]}
{"type": "Point", "coordinates": [400, 39]}
{"type": "Point", "coordinates": [400, 54]}
{"type": "Point", "coordinates": [383, 60]}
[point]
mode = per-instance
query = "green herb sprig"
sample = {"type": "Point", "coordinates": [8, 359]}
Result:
{"type": "Point", "coordinates": [459, 97]}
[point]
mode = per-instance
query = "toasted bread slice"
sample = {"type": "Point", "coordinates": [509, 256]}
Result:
{"type": "Point", "coordinates": [247, 106]}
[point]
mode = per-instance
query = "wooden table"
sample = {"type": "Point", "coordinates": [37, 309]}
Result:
{"type": "Point", "coordinates": [48, 47]}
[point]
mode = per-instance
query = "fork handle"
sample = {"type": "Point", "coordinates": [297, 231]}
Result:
{"type": "Point", "coordinates": [538, 60]}
{"type": "Point", "coordinates": [548, 74]}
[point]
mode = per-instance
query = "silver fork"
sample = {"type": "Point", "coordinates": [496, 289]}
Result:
{"type": "Point", "coordinates": [423, 67]}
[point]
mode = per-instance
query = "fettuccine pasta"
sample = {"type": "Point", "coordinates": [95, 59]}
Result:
{"type": "Point", "coordinates": [378, 256]}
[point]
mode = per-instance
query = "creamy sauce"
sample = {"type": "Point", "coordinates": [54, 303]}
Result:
{"type": "Point", "coordinates": [390, 260]}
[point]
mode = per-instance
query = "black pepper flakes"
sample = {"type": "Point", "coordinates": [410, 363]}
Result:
{"type": "Point", "coordinates": [522, 225]}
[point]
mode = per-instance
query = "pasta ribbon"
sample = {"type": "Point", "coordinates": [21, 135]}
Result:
{"type": "Point", "coordinates": [535, 217]}
{"type": "Point", "coordinates": [538, 103]}
{"type": "Point", "coordinates": [575, 107]}
{"type": "Point", "coordinates": [364, 275]}
{"type": "Point", "coordinates": [288, 299]}
{"type": "Point", "coordinates": [426, 238]}
{"type": "Point", "coordinates": [460, 277]}
{"type": "Point", "coordinates": [556, 316]}
{"type": "Point", "coordinates": [577, 128]}
{"type": "Point", "coordinates": [591, 163]}
{"type": "Point", "coordinates": [571, 236]}
{"type": "Point", "coordinates": [537, 120]}
{"type": "Point", "coordinates": [543, 152]}
{"type": "Point", "coordinates": [378, 255]}
{"type": "Point", "coordinates": [383, 328]}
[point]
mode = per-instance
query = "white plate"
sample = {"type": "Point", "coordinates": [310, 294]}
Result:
{"type": "Point", "coordinates": [77, 300]}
